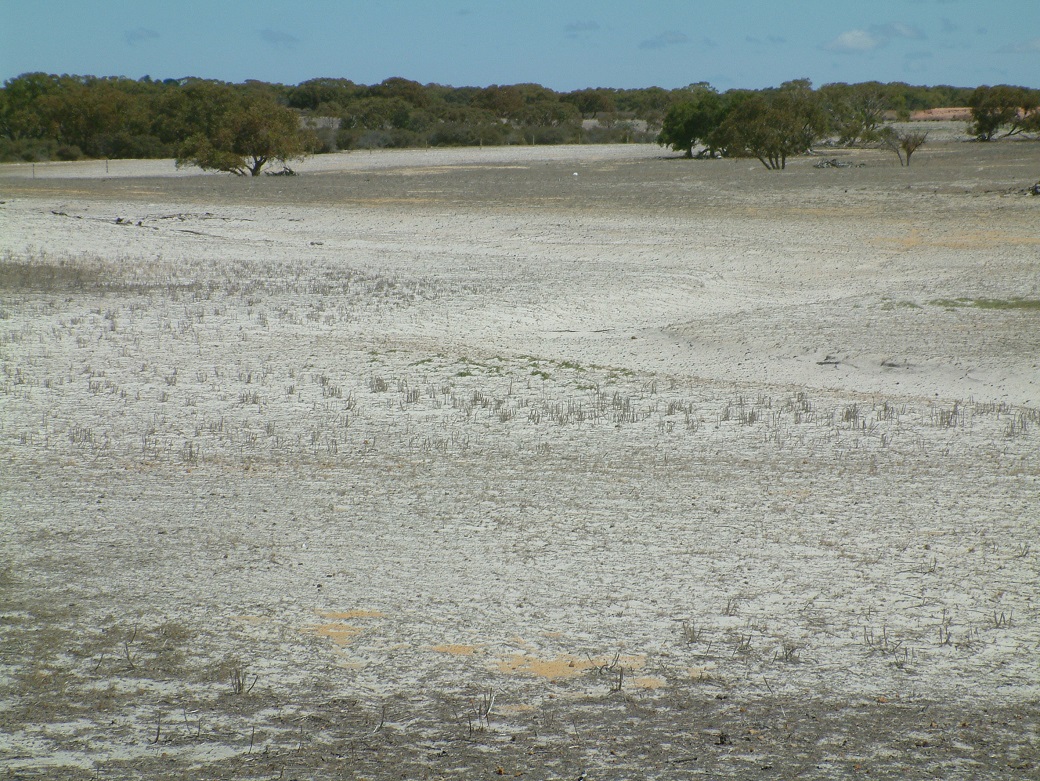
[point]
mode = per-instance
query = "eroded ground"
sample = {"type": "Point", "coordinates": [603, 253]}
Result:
{"type": "Point", "coordinates": [460, 465]}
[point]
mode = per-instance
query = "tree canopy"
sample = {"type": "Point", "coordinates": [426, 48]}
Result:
{"type": "Point", "coordinates": [240, 133]}
{"type": "Point", "coordinates": [693, 120]}
{"type": "Point", "coordinates": [46, 116]}
{"type": "Point", "coordinates": [770, 125]}
{"type": "Point", "coordinates": [1003, 106]}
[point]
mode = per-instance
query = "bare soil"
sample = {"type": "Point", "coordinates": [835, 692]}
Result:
{"type": "Point", "coordinates": [564, 463]}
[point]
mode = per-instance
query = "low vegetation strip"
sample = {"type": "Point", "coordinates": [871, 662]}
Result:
{"type": "Point", "coordinates": [1026, 304]}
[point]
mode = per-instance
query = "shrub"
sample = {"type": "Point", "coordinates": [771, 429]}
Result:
{"type": "Point", "coordinates": [68, 152]}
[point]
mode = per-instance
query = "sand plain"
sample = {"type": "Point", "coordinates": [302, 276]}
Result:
{"type": "Point", "coordinates": [533, 462]}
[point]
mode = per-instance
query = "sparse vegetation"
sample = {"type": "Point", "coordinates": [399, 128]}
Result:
{"type": "Point", "coordinates": [1026, 304]}
{"type": "Point", "coordinates": [414, 503]}
{"type": "Point", "coordinates": [904, 143]}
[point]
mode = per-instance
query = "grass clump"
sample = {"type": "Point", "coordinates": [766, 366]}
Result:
{"type": "Point", "coordinates": [1029, 304]}
{"type": "Point", "coordinates": [1008, 303]}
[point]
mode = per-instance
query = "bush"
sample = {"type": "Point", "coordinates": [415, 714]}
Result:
{"type": "Point", "coordinates": [325, 140]}
{"type": "Point", "coordinates": [26, 150]}
{"type": "Point", "coordinates": [463, 134]}
{"type": "Point", "coordinates": [68, 152]}
{"type": "Point", "coordinates": [123, 145]}
{"type": "Point", "coordinates": [545, 134]}
{"type": "Point", "coordinates": [380, 139]}
{"type": "Point", "coordinates": [618, 133]}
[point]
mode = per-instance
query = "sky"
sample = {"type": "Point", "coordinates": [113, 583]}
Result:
{"type": "Point", "coordinates": [561, 44]}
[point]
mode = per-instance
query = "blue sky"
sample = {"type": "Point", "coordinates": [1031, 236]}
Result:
{"type": "Point", "coordinates": [562, 44]}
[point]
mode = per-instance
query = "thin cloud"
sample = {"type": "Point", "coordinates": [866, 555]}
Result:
{"type": "Point", "coordinates": [948, 26]}
{"type": "Point", "coordinates": [877, 35]}
{"type": "Point", "coordinates": [139, 35]}
{"type": "Point", "coordinates": [897, 30]}
{"type": "Point", "coordinates": [854, 42]}
{"type": "Point", "coordinates": [574, 28]}
{"type": "Point", "coordinates": [279, 38]}
{"type": "Point", "coordinates": [664, 39]}
{"type": "Point", "coordinates": [1022, 47]}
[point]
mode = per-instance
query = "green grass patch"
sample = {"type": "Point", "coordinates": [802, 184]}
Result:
{"type": "Point", "coordinates": [1028, 304]}
{"type": "Point", "coordinates": [1008, 303]}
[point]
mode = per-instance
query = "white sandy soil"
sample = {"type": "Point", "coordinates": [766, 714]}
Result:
{"type": "Point", "coordinates": [553, 427]}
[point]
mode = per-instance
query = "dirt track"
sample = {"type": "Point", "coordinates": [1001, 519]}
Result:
{"type": "Point", "coordinates": [455, 464]}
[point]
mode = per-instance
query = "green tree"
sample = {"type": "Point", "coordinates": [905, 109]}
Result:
{"type": "Point", "coordinates": [333, 94]}
{"type": "Point", "coordinates": [240, 133]}
{"type": "Point", "coordinates": [20, 115]}
{"type": "Point", "coordinates": [591, 102]}
{"type": "Point", "coordinates": [377, 114]}
{"type": "Point", "coordinates": [464, 126]}
{"type": "Point", "coordinates": [993, 108]}
{"type": "Point", "coordinates": [411, 92]}
{"type": "Point", "coordinates": [692, 120]}
{"type": "Point", "coordinates": [855, 111]}
{"type": "Point", "coordinates": [773, 125]}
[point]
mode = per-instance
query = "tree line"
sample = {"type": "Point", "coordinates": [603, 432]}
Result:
{"type": "Point", "coordinates": [245, 127]}
{"type": "Point", "coordinates": [774, 124]}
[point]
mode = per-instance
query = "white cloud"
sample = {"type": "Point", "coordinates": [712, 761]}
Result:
{"type": "Point", "coordinates": [874, 37]}
{"type": "Point", "coordinates": [854, 41]}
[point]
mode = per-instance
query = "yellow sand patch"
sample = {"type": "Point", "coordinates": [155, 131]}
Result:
{"type": "Point", "coordinates": [340, 634]}
{"type": "Point", "coordinates": [648, 682]}
{"type": "Point", "coordinates": [349, 614]}
{"type": "Point", "coordinates": [701, 673]}
{"type": "Point", "coordinates": [456, 649]}
{"type": "Point", "coordinates": [563, 665]}
{"type": "Point", "coordinates": [250, 619]}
